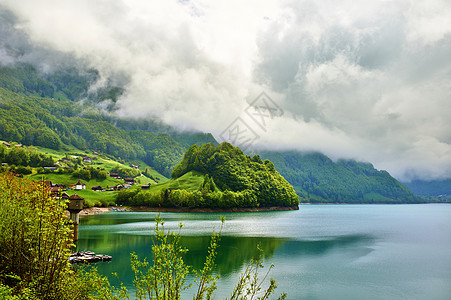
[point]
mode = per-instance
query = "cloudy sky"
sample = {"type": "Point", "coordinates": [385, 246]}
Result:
{"type": "Point", "coordinates": [369, 80]}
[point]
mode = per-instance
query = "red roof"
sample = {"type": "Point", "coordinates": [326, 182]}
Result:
{"type": "Point", "coordinates": [75, 197]}
{"type": "Point", "coordinates": [47, 183]}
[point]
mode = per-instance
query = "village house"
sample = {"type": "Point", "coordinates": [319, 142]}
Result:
{"type": "Point", "coordinates": [50, 168]}
{"type": "Point", "coordinates": [54, 189]}
{"type": "Point", "coordinates": [87, 159]}
{"type": "Point", "coordinates": [98, 188]}
{"type": "Point", "coordinates": [129, 180]}
{"type": "Point", "coordinates": [118, 187]}
{"type": "Point", "coordinates": [78, 186]}
{"type": "Point", "coordinates": [145, 186]}
{"type": "Point", "coordinates": [47, 183]}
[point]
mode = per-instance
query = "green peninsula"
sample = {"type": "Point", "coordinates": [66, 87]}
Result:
{"type": "Point", "coordinates": [221, 177]}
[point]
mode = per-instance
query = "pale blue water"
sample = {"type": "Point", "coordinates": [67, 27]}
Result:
{"type": "Point", "coordinates": [319, 252]}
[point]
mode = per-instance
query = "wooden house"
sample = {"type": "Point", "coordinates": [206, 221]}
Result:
{"type": "Point", "coordinates": [98, 188]}
{"type": "Point", "coordinates": [129, 180]}
{"type": "Point", "coordinates": [79, 185]}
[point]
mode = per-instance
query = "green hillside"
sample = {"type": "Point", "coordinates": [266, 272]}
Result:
{"type": "Point", "coordinates": [43, 164]}
{"type": "Point", "coordinates": [318, 179]}
{"type": "Point", "coordinates": [43, 112]}
{"type": "Point", "coordinates": [219, 176]}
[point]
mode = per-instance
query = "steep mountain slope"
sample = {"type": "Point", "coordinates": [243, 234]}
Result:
{"type": "Point", "coordinates": [317, 178]}
{"type": "Point", "coordinates": [29, 116]}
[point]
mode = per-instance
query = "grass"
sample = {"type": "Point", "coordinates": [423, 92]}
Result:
{"type": "Point", "coordinates": [93, 198]}
{"type": "Point", "coordinates": [102, 161]}
{"type": "Point", "coordinates": [68, 179]}
{"type": "Point", "coordinates": [155, 174]}
{"type": "Point", "coordinates": [144, 180]}
{"type": "Point", "coordinates": [190, 181]}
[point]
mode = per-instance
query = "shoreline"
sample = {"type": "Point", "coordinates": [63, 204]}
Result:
{"type": "Point", "coordinates": [98, 210]}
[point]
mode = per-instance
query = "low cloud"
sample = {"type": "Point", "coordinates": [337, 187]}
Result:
{"type": "Point", "coordinates": [364, 80]}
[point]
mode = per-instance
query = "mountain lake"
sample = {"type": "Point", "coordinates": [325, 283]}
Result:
{"type": "Point", "coordinates": [318, 252]}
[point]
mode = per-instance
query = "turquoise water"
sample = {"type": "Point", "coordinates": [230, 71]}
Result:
{"type": "Point", "coordinates": [319, 252]}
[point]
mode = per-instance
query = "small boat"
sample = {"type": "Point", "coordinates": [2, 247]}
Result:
{"type": "Point", "coordinates": [87, 257]}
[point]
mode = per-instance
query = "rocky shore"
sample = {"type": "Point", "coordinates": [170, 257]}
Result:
{"type": "Point", "coordinates": [212, 210]}
{"type": "Point", "coordinates": [98, 210]}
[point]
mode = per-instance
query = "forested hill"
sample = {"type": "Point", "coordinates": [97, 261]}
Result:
{"type": "Point", "coordinates": [44, 112]}
{"type": "Point", "coordinates": [228, 169]}
{"type": "Point", "coordinates": [317, 179]}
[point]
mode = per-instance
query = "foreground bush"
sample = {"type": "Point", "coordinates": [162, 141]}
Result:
{"type": "Point", "coordinates": [35, 244]}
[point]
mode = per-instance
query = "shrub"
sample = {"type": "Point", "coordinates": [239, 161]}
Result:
{"type": "Point", "coordinates": [34, 243]}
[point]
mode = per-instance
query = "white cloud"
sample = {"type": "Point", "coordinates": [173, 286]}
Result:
{"type": "Point", "coordinates": [362, 79]}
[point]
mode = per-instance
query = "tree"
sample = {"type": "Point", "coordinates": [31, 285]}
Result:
{"type": "Point", "coordinates": [35, 243]}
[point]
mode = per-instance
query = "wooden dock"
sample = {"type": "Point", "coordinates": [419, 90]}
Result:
{"type": "Point", "coordinates": [87, 257]}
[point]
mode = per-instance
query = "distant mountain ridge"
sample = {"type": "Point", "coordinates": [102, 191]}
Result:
{"type": "Point", "coordinates": [317, 179]}
{"type": "Point", "coordinates": [432, 188]}
{"type": "Point", "coordinates": [43, 111]}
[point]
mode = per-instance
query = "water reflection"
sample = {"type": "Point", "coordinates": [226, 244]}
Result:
{"type": "Point", "coordinates": [114, 218]}
{"type": "Point", "coordinates": [119, 234]}
{"type": "Point", "coordinates": [233, 252]}
{"type": "Point", "coordinates": [327, 245]}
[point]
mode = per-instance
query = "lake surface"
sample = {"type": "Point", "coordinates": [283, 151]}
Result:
{"type": "Point", "coordinates": [319, 252]}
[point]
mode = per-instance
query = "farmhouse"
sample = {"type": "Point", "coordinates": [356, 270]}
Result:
{"type": "Point", "coordinates": [98, 188]}
{"type": "Point", "coordinates": [129, 180]}
{"type": "Point", "coordinates": [78, 186]}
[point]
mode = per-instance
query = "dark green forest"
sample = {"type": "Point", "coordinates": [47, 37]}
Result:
{"type": "Point", "coordinates": [30, 114]}
{"type": "Point", "coordinates": [318, 179]}
{"type": "Point", "coordinates": [231, 170]}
